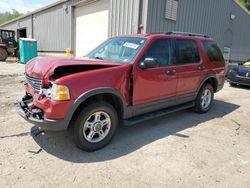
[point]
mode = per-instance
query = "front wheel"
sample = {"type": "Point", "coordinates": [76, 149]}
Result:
{"type": "Point", "coordinates": [204, 99]}
{"type": "Point", "coordinates": [95, 126]}
{"type": "Point", "coordinates": [3, 54]}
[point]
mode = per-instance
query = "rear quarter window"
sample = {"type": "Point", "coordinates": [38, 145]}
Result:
{"type": "Point", "coordinates": [213, 51]}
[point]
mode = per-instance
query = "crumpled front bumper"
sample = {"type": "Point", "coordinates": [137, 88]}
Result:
{"type": "Point", "coordinates": [37, 117]}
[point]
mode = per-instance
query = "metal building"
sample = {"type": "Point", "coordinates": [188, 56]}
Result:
{"type": "Point", "coordinates": [83, 24]}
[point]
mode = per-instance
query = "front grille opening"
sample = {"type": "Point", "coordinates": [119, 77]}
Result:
{"type": "Point", "coordinates": [34, 82]}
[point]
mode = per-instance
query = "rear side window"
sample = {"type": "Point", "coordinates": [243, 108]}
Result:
{"type": "Point", "coordinates": [213, 51]}
{"type": "Point", "coordinates": [186, 51]}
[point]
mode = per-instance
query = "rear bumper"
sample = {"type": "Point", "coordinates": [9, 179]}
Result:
{"type": "Point", "coordinates": [42, 122]}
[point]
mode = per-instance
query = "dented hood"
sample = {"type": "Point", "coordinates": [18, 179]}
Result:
{"type": "Point", "coordinates": [43, 67]}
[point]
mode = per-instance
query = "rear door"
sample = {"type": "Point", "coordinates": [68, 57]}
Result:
{"type": "Point", "coordinates": [158, 83]}
{"type": "Point", "coordinates": [189, 66]}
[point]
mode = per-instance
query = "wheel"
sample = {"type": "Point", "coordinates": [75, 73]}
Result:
{"type": "Point", "coordinates": [232, 84]}
{"type": "Point", "coordinates": [204, 99]}
{"type": "Point", "coordinates": [95, 126]}
{"type": "Point", "coordinates": [3, 54]}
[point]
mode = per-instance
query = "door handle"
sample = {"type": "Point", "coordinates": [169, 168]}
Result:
{"type": "Point", "coordinates": [171, 72]}
{"type": "Point", "coordinates": [202, 68]}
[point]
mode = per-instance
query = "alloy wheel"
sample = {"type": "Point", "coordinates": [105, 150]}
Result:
{"type": "Point", "coordinates": [206, 98]}
{"type": "Point", "coordinates": [97, 127]}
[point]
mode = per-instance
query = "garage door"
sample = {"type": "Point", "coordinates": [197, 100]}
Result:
{"type": "Point", "coordinates": [91, 26]}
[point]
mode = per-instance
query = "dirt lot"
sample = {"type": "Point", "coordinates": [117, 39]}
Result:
{"type": "Point", "coordinates": [178, 150]}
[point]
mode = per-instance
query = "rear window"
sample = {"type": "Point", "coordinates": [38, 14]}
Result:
{"type": "Point", "coordinates": [213, 51]}
{"type": "Point", "coordinates": [186, 51]}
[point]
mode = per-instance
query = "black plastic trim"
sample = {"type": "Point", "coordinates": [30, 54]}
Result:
{"type": "Point", "coordinates": [205, 79]}
{"type": "Point", "coordinates": [159, 104]}
{"type": "Point", "coordinates": [46, 124]}
{"type": "Point", "coordinates": [239, 80]}
{"type": "Point", "coordinates": [158, 113]}
{"type": "Point", "coordinates": [86, 95]}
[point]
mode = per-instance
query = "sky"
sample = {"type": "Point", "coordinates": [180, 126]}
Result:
{"type": "Point", "coordinates": [23, 6]}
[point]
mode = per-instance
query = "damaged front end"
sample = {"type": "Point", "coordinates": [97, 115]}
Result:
{"type": "Point", "coordinates": [47, 102]}
{"type": "Point", "coordinates": [35, 115]}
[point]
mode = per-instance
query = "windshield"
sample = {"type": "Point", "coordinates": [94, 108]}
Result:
{"type": "Point", "coordinates": [7, 35]}
{"type": "Point", "coordinates": [122, 49]}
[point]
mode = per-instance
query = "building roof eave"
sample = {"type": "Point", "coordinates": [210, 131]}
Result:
{"type": "Point", "coordinates": [34, 12]}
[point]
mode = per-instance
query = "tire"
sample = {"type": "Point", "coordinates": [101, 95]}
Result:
{"type": "Point", "coordinates": [3, 54]}
{"type": "Point", "coordinates": [232, 84]}
{"type": "Point", "coordinates": [89, 131]}
{"type": "Point", "coordinates": [204, 99]}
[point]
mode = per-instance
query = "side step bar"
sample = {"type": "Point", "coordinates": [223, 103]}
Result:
{"type": "Point", "coordinates": [156, 114]}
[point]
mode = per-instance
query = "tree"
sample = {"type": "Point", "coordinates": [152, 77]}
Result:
{"type": "Point", "coordinates": [6, 16]}
{"type": "Point", "coordinates": [247, 4]}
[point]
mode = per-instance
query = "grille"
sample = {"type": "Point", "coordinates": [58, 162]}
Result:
{"type": "Point", "coordinates": [34, 82]}
{"type": "Point", "coordinates": [244, 74]}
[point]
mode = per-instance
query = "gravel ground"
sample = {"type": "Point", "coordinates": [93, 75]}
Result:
{"type": "Point", "coordinates": [183, 149]}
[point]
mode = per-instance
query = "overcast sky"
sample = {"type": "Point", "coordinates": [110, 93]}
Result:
{"type": "Point", "coordinates": [23, 6]}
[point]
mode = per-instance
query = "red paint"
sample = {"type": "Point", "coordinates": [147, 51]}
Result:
{"type": "Point", "coordinates": [149, 85]}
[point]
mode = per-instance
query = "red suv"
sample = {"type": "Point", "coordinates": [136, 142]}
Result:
{"type": "Point", "coordinates": [125, 80]}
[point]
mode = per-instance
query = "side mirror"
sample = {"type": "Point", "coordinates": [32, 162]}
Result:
{"type": "Point", "coordinates": [149, 63]}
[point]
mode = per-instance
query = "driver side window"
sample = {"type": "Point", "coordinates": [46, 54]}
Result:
{"type": "Point", "coordinates": [161, 51]}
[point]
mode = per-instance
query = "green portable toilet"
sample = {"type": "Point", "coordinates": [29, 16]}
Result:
{"type": "Point", "coordinates": [27, 49]}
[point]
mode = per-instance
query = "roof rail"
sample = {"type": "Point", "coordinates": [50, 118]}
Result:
{"type": "Point", "coordinates": [187, 34]}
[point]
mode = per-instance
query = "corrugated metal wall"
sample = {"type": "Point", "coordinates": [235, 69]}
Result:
{"type": "Point", "coordinates": [240, 33]}
{"type": "Point", "coordinates": [52, 29]}
{"type": "Point", "coordinates": [124, 17]}
{"type": "Point", "coordinates": [208, 17]}
{"type": "Point", "coordinates": [22, 23]}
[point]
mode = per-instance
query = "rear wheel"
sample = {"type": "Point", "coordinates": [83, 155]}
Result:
{"type": "Point", "coordinates": [204, 99]}
{"type": "Point", "coordinates": [3, 54]}
{"type": "Point", "coordinates": [95, 126]}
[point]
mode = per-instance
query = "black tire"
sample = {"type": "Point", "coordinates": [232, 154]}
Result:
{"type": "Point", "coordinates": [232, 84]}
{"type": "Point", "coordinates": [3, 54]}
{"type": "Point", "coordinates": [78, 130]}
{"type": "Point", "coordinates": [198, 107]}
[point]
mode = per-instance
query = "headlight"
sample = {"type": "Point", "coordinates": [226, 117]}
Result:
{"type": "Point", "coordinates": [60, 92]}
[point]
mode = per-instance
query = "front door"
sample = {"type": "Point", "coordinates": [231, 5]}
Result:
{"type": "Point", "coordinates": [155, 84]}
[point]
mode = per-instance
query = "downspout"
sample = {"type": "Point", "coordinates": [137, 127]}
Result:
{"type": "Point", "coordinates": [142, 18]}
{"type": "Point", "coordinates": [32, 26]}
{"type": "Point", "coordinates": [139, 25]}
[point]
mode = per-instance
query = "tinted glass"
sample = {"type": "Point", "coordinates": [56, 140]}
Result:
{"type": "Point", "coordinates": [186, 51]}
{"type": "Point", "coordinates": [161, 51]}
{"type": "Point", "coordinates": [213, 51]}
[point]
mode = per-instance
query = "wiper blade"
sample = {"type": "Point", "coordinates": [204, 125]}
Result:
{"type": "Point", "coordinates": [99, 58]}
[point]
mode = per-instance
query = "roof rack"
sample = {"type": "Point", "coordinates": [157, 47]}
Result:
{"type": "Point", "coordinates": [187, 34]}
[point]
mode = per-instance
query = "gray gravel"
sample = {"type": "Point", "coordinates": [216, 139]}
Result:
{"type": "Point", "coordinates": [183, 149]}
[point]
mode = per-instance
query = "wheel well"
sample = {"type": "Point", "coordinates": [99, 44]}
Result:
{"type": "Point", "coordinates": [213, 82]}
{"type": "Point", "coordinates": [107, 97]}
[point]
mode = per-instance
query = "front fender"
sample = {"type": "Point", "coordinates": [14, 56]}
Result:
{"type": "Point", "coordinates": [83, 97]}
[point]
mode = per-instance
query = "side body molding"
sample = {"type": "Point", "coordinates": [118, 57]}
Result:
{"type": "Point", "coordinates": [93, 92]}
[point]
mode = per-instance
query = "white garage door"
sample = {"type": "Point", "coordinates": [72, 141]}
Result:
{"type": "Point", "coordinates": [91, 26]}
